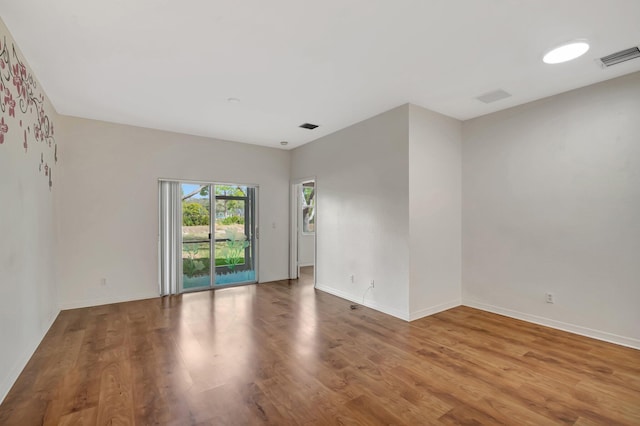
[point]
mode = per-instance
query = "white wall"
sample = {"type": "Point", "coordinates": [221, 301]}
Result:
{"type": "Point", "coordinates": [109, 199]}
{"type": "Point", "coordinates": [551, 203]}
{"type": "Point", "coordinates": [363, 218]}
{"type": "Point", "coordinates": [434, 211]}
{"type": "Point", "coordinates": [27, 233]}
{"type": "Point", "coordinates": [306, 249]}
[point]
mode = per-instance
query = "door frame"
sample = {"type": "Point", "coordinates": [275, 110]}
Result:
{"type": "Point", "coordinates": [294, 220]}
{"type": "Point", "coordinates": [250, 225]}
{"type": "Point", "coordinates": [211, 244]}
{"type": "Point", "coordinates": [255, 238]}
{"type": "Point", "coordinates": [257, 256]}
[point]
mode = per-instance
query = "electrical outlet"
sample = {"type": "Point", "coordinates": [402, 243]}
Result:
{"type": "Point", "coordinates": [103, 282]}
{"type": "Point", "coordinates": [353, 278]}
{"type": "Point", "coordinates": [373, 284]}
{"type": "Point", "coordinates": [548, 297]}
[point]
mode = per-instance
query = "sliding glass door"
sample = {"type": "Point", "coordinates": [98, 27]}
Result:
{"type": "Point", "coordinates": [219, 235]}
{"type": "Point", "coordinates": [235, 234]}
{"type": "Point", "coordinates": [196, 236]}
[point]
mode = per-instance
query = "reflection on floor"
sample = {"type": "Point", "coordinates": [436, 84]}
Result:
{"type": "Point", "coordinates": [284, 353]}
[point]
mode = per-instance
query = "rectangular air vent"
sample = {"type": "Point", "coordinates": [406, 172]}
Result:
{"type": "Point", "coordinates": [308, 126]}
{"type": "Point", "coordinates": [621, 56]}
{"type": "Point", "coordinates": [494, 96]}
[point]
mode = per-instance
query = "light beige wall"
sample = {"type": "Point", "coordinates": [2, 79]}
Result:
{"type": "Point", "coordinates": [306, 249]}
{"type": "Point", "coordinates": [109, 228]}
{"type": "Point", "coordinates": [27, 233]}
{"type": "Point", "coordinates": [362, 210]}
{"type": "Point", "coordinates": [551, 203]}
{"type": "Point", "coordinates": [434, 211]}
{"type": "Point", "coordinates": [389, 210]}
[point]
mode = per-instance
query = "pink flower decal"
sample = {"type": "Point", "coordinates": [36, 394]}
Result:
{"type": "Point", "coordinates": [19, 76]}
{"type": "Point", "coordinates": [11, 103]}
{"type": "Point", "coordinates": [3, 130]}
{"type": "Point", "coordinates": [22, 100]}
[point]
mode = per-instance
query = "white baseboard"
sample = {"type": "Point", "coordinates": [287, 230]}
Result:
{"type": "Point", "coordinates": [87, 303]}
{"type": "Point", "coordinates": [14, 372]}
{"type": "Point", "coordinates": [571, 328]}
{"type": "Point", "coordinates": [369, 304]}
{"type": "Point", "coordinates": [421, 313]}
{"type": "Point", "coordinates": [75, 304]}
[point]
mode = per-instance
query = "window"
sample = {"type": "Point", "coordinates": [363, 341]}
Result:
{"type": "Point", "coordinates": [308, 207]}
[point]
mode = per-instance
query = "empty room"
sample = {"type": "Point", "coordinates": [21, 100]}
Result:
{"type": "Point", "coordinates": [292, 212]}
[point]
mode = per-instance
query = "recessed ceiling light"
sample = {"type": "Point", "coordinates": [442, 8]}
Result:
{"type": "Point", "coordinates": [566, 52]}
{"type": "Point", "coordinates": [233, 100]}
{"type": "Point", "coordinates": [283, 143]}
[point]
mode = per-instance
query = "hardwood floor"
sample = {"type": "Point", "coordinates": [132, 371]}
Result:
{"type": "Point", "coordinates": [283, 353]}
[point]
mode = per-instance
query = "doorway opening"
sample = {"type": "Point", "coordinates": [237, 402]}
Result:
{"type": "Point", "coordinates": [303, 228]}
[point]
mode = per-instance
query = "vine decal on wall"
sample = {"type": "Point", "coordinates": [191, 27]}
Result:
{"type": "Point", "coordinates": [21, 99]}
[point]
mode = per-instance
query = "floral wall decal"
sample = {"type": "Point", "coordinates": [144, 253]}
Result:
{"type": "Point", "coordinates": [4, 128]}
{"type": "Point", "coordinates": [22, 103]}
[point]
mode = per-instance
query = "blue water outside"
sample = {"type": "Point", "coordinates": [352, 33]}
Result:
{"type": "Point", "coordinates": [195, 282]}
{"type": "Point", "coordinates": [235, 277]}
{"type": "Point", "coordinates": [221, 279]}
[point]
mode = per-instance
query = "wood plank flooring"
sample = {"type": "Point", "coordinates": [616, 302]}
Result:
{"type": "Point", "coordinates": [283, 353]}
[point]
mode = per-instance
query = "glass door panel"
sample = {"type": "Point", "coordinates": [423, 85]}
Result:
{"type": "Point", "coordinates": [196, 237]}
{"type": "Point", "coordinates": [235, 238]}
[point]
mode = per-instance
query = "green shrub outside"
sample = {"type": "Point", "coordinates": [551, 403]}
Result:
{"type": "Point", "coordinates": [231, 220]}
{"type": "Point", "coordinates": [200, 266]}
{"type": "Point", "coordinates": [194, 214]}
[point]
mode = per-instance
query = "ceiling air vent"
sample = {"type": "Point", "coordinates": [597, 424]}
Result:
{"type": "Point", "coordinates": [308, 126]}
{"type": "Point", "coordinates": [496, 95]}
{"type": "Point", "coordinates": [621, 56]}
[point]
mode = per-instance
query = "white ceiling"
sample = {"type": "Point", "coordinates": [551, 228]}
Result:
{"type": "Point", "coordinates": [172, 65]}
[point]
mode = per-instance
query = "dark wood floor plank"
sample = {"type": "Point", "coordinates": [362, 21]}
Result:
{"type": "Point", "coordinates": [79, 418]}
{"type": "Point", "coordinates": [284, 353]}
